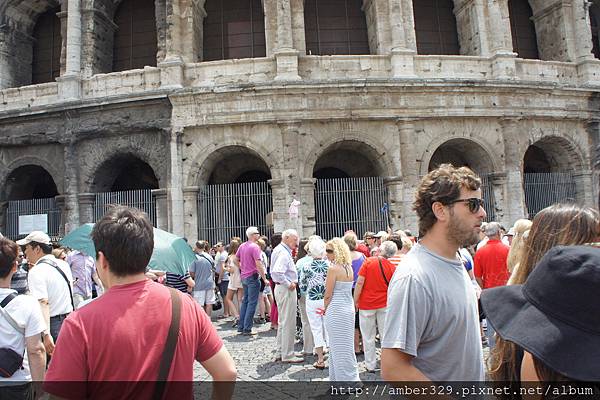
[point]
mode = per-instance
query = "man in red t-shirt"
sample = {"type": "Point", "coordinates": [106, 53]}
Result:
{"type": "Point", "coordinates": [490, 266]}
{"type": "Point", "coordinates": [112, 347]}
{"type": "Point", "coordinates": [490, 260]}
{"type": "Point", "coordinates": [370, 297]}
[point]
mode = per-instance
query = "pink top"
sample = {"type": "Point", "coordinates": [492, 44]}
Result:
{"type": "Point", "coordinates": [248, 253]}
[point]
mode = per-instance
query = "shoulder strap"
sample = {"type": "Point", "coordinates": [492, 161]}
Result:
{"type": "Point", "coordinates": [60, 271]}
{"type": "Point", "coordinates": [387, 283]}
{"type": "Point", "coordinates": [7, 316]}
{"type": "Point", "coordinates": [171, 344]}
{"type": "Point", "coordinates": [208, 259]}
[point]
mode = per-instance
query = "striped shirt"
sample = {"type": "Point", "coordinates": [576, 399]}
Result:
{"type": "Point", "coordinates": [18, 281]}
{"type": "Point", "coordinates": [177, 281]}
{"type": "Point", "coordinates": [395, 259]}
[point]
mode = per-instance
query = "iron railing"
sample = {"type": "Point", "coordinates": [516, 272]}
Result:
{"type": "Point", "coordinates": [544, 189]}
{"type": "Point", "coordinates": [21, 212]}
{"type": "Point", "coordinates": [141, 199]}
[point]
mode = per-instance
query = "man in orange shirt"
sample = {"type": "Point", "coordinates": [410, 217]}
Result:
{"type": "Point", "coordinates": [490, 265]}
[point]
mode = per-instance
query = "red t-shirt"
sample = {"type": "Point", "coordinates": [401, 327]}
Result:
{"type": "Point", "coordinates": [363, 249]}
{"type": "Point", "coordinates": [490, 264]}
{"type": "Point", "coordinates": [374, 291]}
{"type": "Point", "coordinates": [121, 337]}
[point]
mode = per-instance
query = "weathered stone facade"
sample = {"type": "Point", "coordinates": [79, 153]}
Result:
{"type": "Point", "coordinates": [393, 113]}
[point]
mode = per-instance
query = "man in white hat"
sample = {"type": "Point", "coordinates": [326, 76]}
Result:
{"type": "Point", "coordinates": [50, 282]}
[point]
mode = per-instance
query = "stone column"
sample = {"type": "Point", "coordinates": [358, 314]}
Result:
{"type": "Point", "coordinates": [3, 214]}
{"type": "Point", "coordinates": [514, 149]}
{"type": "Point", "coordinates": [286, 56]}
{"type": "Point", "coordinates": [86, 207]}
{"type": "Point", "coordinates": [410, 172]}
{"type": "Point", "coordinates": [395, 189]}
{"type": "Point", "coordinates": [585, 188]}
{"type": "Point", "coordinates": [289, 167]}
{"type": "Point", "coordinates": [175, 199]}
{"type": "Point", "coordinates": [307, 197]}
{"type": "Point", "coordinates": [402, 54]}
{"type": "Point", "coordinates": [160, 197]}
{"type": "Point", "coordinates": [71, 205]}
{"type": "Point", "coordinates": [500, 40]}
{"type": "Point", "coordinates": [587, 65]}
{"type": "Point", "coordinates": [69, 85]}
{"type": "Point", "coordinates": [16, 50]}
{"type": "Point", "coordinates": [471, 26]}
{"type": "Point", "coordinates": [97, 39]}
{"type": "Point", "coordinates": [280, 205]}
{"type": "Point", "coordinates": [172, 66]}
{"type": "Point", "coordinates": [190, 209]}
{"type": "Point", "coordinates": [499, 181]}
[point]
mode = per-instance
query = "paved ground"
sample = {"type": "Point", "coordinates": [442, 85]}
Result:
{"type": "Point", "coordinates": [254, 358]}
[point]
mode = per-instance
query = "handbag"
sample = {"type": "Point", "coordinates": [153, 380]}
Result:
{"type": "Point", "coordinates": [10, 360]}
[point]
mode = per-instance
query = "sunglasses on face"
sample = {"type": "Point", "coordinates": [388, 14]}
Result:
{"type": "Point", "coordinates": [329, 251]}
{"type": "Point", "coordinates": [473, 203]}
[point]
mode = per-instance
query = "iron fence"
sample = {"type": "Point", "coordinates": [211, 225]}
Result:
{"type": "Point", "coordinates": [359, 204]}
{"type": "Point", "coordinates": [545, 189]}
{"type": "Point", "coordinates": [226, 210]}
{"type": "Point", "coordinates": [35, 214]}
{"type": "Point", "coordinates": [141, 199]}
{"type": "Point", "coordinates": [489, 201]}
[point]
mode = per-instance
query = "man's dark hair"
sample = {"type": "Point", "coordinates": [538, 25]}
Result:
{"type": "Point", "coordinates": [46, 248]}
{"type": "Point", "coordinates": [9, 251]}
{"type": "Point", "coordinates": [126, 238]}
{"type": "Point", "coordinates": [397, 239]}
{"type": "Point", "coordinates": [275, 240]}
{"type": "Point", "coordinates": [442, 185]}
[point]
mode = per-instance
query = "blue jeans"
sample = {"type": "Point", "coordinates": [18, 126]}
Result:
{"type": "Point", "coordinates": [251, 287]}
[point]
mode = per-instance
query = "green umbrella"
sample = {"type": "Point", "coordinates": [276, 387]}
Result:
{"type": "Point", "coordinates": [171, 253]}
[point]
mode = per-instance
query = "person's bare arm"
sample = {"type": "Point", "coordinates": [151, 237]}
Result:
{"type": "Point", "coordinates": [479, 282]}
{"type": "Point", "coordinates": [36, 354]}
{"type": "Point", "coordinates": [358, 289]}
{"type": "Point", "coordinates": [190, 283]}
{"type": "Point", "coordinates": [48, 340]}
{"type": "Point", "coordinates": [397, 366]}
{"type": "Point", "coordinates": [260, 267]}
{"type": "Point", "coordinates": [329, 285]}
{"type": "Point", "coordinates": [222, 369]}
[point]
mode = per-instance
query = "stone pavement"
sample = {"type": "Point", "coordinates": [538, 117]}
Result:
{"type": "Point", "coordinates": [254, 358]}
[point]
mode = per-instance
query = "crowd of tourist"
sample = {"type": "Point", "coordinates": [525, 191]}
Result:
{"type": "Point", "coordinates": [432, 302]}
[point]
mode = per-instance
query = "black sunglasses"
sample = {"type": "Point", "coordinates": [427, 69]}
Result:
{"type": "Point", "coordinates": [329, 251]}
{"type": "Point", "coordinates": [474, 203]}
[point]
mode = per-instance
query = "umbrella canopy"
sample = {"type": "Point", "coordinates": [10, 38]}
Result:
{"type": "Point", "coordinates": [171, 253]}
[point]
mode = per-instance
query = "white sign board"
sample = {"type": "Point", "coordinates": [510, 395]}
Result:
{"type": "Point", "coordinates": [36, 222]}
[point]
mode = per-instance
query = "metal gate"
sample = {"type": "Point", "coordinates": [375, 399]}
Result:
{"type": "Point", "coordinates": [544, 189]}
{"type": "Point", "coordinates": [24, 216]}
{"type": "Point", "coordinates": [226, 210]}
{"type": "Point", "coordinates": [489, 201]}
{"type": "Point", "coordinates": [141, 199]}
{"type": "Point", "coordinates": [359, 204]}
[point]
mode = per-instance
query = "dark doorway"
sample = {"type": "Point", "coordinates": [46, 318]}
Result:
{"type": "Point", "coordinates": [30, 182]}
{"type": "Point", "coordinates": [435, 26]}
{"type": "Point", "coordinates": [135, 44]}
{"type": "Point", "coordinates": [47, 46]}
{"type": "Point", "coordinates": [594, 17]}
{"type": "Point", "coordinates": [523, 29]}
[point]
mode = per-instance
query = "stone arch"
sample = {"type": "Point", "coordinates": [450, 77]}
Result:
{"type": "Point", "coordinates": [364, 146]}
{"type": "Point", "coordinates": [124, 171]}
{"type": "Point", "coordinates": [202, 170]}
{"type": "Point", "coordinates": [26, 161]}
{"type": "Point", "coordinates": [460, 150]}
{"type": "Point", "coordinates": [553, 154]}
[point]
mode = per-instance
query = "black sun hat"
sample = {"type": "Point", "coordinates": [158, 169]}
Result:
{"type": "Point", "coordinates": [555, 315]}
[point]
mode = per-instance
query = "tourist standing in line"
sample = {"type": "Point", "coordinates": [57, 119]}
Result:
{"type": "Point", "coordinates": [235, 288]}
{"type": "Point", "coordinates": [432, 333]}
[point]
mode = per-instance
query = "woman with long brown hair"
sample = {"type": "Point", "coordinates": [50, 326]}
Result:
{"type": "Point", "coordinates": [560, 224]}
{"type": "Point", "coordinates": [235, 281]}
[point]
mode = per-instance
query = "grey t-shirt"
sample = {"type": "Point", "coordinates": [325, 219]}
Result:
{"type": "Point", "coordinates": [204, 277]}
{"type": "Point", "coordinates": [432, 315]}
{"type": "Point", "coordinates": [220, 259]}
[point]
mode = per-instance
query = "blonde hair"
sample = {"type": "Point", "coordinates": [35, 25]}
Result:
{"type": "Point", "coordinates": [341, 252]}
{"type": "Point", "coordinates": [518, 243]}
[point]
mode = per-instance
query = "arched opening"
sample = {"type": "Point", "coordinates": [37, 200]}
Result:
{"type": "Point", "coordinates": [464, 152]}
{"type": "Point", "coordinates": [125, 172]}
{"type": "Point", "coordinates": [47, 47]}
{"type": "Point", "coordinates": [435, 27]}
{"type": "Point", "coordinates": [347, 159]}
{"type": "Point", "coordinates": [135, 42]}
{"type": "Point", "coordinates": [548, 167]}
{"type": "Point", "coordinates": [233, 29]}
{"type": "Point", "coordinates": [29, 182]}
{"type": "Point", "coordinates": [594, 19]}
{"type": "Point", "coordinates": [234, 194]}
{"type": "Point", "coordinates": [30, 191]}
{"type": "Point", "coordinates": [522, 28]}
{"type": "Point", "coordinates": [334, 27]}
{"type": "Point", "coordinates": [350, 192]}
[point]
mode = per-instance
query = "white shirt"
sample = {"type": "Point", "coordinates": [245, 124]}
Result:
{"type": "Point", "coordinates": [26, 312]}
{"type": "Point", "coordinates": [45, 282]}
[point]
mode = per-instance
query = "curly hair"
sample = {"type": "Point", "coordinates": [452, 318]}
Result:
{"type": "Point", "coordinates": [442, 185]}
{"type": "Point", "coordinates": [341, 252]}
{"type": "Point", "coordinates": [518, 243]}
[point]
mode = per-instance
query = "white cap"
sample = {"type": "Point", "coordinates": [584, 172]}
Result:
{"type": "Point", "coordinates": [380, 234]}
{"type": "Point", "coordinates": [251, 230]}
{"type": "Point", "coordinates": [35, 236]}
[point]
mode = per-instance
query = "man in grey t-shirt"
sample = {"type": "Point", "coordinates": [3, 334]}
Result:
{"type": "Point", "coordinates": [432, 329]}
{"type": "Point", "coordinates": [202, 272]}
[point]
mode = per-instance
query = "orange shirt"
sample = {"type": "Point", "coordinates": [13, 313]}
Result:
{"type": "Point", "coordinates": [490, 264]}
{"type": "Point", "coordinates": [374, 291]}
